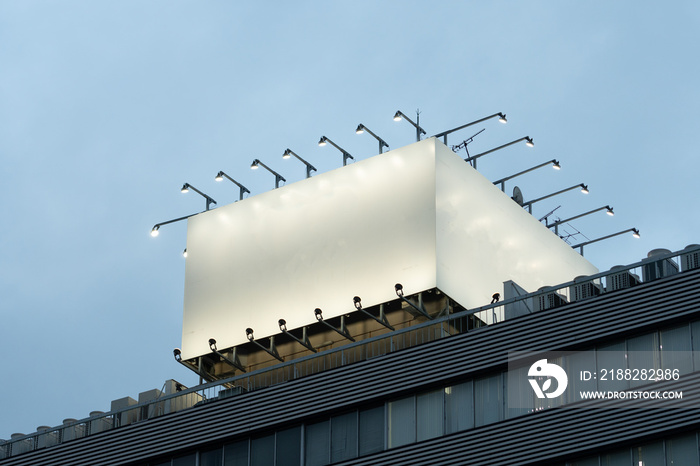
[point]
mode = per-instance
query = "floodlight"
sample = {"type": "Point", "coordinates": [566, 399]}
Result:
{"type": "Point", "coordinates": [304, 340]}
{"type": "Point", "coordinates": [583, 187]}
{"type": "Point", "coordinates": [278, 177]}
{"type": "Point", "coordinates": [346, 155]}
{"type": "Point", "coordinates": [528, 141]}
{"type": "Point", "coordinates": [381, 319]}
{"type": "Point", "coordinates": [202, 375]}
{"type": "Point", "coordinates": [221, 175]}
{"type": "Point", "coordinates": [608, 210]}
{"type": "Point", "coordinates": [443, 135]}
{"type": "Point", "coordinates": [341, 331]}
{"type": "Point", "coordinates": [635, 233]}
{"type": "Point", "coordinates": [186, 188]}
{"type": "Point", "coordinates": [502, 181]}
{"type": "Point", "coordinates": [398, 116]}
{"type": "Point", "coordinates": [417, 306]}
{"type": "Point", "coordinates": [309, 168]}
{"type": "Point", "coordinates": [156, 228]}
{"type": "Point", "coordinates": [184, 253]}
{"type": "Point", "coordinates": [358, 302]}
{"type": "Point", "coordinates": [249, 334]}
{"type": "Point", "coordinates": [362, 128]}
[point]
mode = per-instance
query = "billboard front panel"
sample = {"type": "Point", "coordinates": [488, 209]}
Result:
{"type": "Point", "coordinates": [319, 242]}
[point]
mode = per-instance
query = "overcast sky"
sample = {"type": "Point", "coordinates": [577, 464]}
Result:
{"type": "Point", "coordinates": [107, 108]}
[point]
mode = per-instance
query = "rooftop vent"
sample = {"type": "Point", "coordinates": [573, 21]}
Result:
{"type": "Point", "coordinates": [622, 279]}
{"type": "Point", "coordinates": [583, 288]}
{"type": "Point", "coordinates": [46, 438]}
{"type": "Point", "coordinates": [20, 446]}
{"type": "Point", "coordinates": [72, 431]}
{"type": "Point", "coordinates": [124, 418]}
{"type": "Point", "coordinates": [690, 259]}
{"type": "Point", "coordinates": [101, 423]}
{"type": "Point", "coordinates": [659, 269]}
{"type": "Point", "coordinates": [549, 300]}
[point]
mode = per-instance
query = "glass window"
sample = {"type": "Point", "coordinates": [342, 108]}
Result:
{"type": "Point", "coordinates": [317, 444]}
{"type": "Point", "coordinates": [488, 400]}
{"type": "Point", "coordinates": [212, 457]}
{"type": "Point", "coordinates": [236, 454]}
{"type": "Point", "coordinates": [618, 458]}
{"type": "Point", "coordinates": [371, 430]}
{"type": "Point", "coordinates": [610, 358]}
{"type": "Point", "coordinates": [643, 353]}
{"type": "Point", "coordinates": [649, 455]}
{"type": "Point", "coordinates": [682, 451]}
{"type": "Point", "coordinates": [402, 421]}
{"type": "Point", "coordinates": [675, 349]}
{"type": "Point", "coordinates": [519, 396]}
{"type": "Point", "coordinates": [189, 460]}
{"type": "Point", "coordinates": [575, 364]}
{"type": "Point", "coordinates": [288, 447]}
{"type": "Point", "coordinates": [262, 451]}
{"type": "Point", "coordinates": [344, 437]}
{"type": "Point", "coordinates": [459, 407]}
{"type": "Point", "coordinates": [430, 415]}
{"type": "Point", "coordinates": [546, 403]}
{"type": "Point", "coordinates": [695, 333]}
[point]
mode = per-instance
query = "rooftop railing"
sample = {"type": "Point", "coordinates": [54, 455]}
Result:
{"type": "Point", "coordinates": [660, 264]}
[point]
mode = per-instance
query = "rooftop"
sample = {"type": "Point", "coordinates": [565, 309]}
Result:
{"type": "Point", "coordinates": [424, 328]}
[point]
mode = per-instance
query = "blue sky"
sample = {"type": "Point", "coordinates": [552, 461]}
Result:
{"type": "Point", "coordinates": [106, 109]}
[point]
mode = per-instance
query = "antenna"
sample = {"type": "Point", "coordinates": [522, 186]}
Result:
{"type": "Point", "coordinates": [418, 122]}
{"type": "Point", "coordinates": [518, 196]}
{"type": "Point", "coordinates": [568, 235]}
{"type": "Point", "coordinates": [464, 143]}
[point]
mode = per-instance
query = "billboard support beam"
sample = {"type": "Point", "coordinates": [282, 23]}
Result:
{"type": "Point", "coordinates": [342, 330]}
{"type": "Point", "coordinates": [304, 341]}
{"type": "Point", "coordinates": [196, 369]}
{"type": "Point", "coordinates": [272, 351]}
{"type": "Point", "coordinates": [419, 307]}
{"type": "Point", "coordinates": [234, 362]}
{"type": "Point", "coordinates": [381, 319]}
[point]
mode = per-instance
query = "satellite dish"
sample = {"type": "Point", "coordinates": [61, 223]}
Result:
{"type": "Point", "coordinates": [518, 196]}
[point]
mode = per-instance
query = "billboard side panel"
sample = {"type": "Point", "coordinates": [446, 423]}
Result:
{"type": "Point", "coordinates": [484, 238]}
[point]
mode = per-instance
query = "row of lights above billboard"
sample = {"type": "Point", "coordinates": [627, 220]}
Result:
{"type": "Point", "coordinates": [471, 159]}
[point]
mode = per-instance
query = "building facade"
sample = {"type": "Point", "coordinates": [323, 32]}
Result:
{"type": "Point", "coordinates": [432, 393]}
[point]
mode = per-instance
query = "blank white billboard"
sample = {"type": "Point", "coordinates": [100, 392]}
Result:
{"type": "Point", "coordinates": [418, 215]}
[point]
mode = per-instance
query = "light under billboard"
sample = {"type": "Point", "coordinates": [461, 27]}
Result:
{"type": "Point", "coordinates": [418, 215]}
